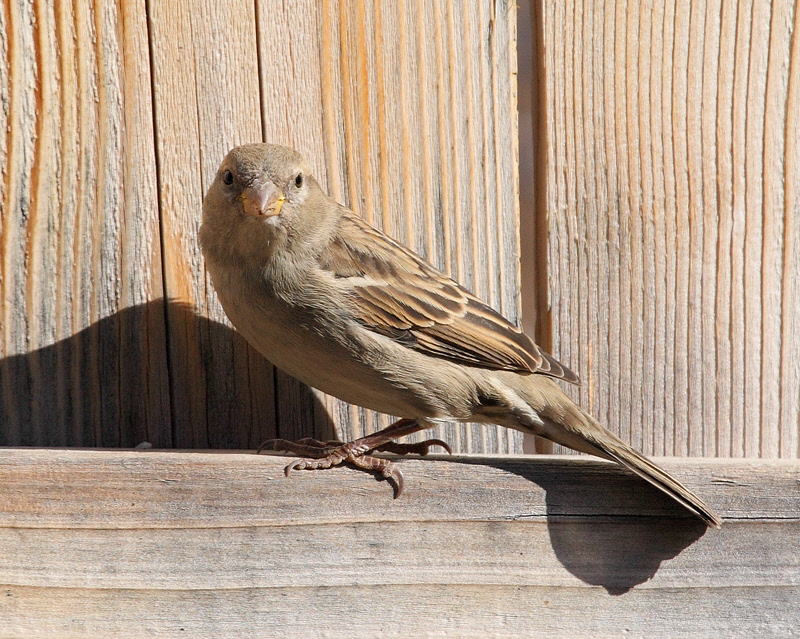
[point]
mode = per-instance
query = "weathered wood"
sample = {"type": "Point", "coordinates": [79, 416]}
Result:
{"type": "Point", "coordinates": [82, 338]}
{"type": "Point", "coordinates": [224, 543]}
{"type": "Point", "coordinates": [672, 197]}
{"type": "Point", "coordinates": [205, 103]}
{"type": "Point", "coordinates": [405, 111]}
{"type": "Point", "coordinates": [411, 107]}
{"type": "Point", "coordinates": [396, 611]}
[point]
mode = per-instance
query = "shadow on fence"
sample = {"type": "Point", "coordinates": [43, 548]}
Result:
{"type": "Point", "coordinates": [155, 372]}
{"type": "Point", "coordinates": [588, 519]}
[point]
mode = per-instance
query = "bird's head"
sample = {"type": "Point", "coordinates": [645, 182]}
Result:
{"type": "Point", "coordinates": [262, 195]}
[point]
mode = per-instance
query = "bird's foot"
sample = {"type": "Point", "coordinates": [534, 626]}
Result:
{"type": "Point", "coordinates": [306, 447]}
{"type": "Point", "coordinates": [419, 448]}
{"type": "Point", "coordinates": [321, 454]}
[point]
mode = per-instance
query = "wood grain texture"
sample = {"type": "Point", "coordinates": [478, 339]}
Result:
{"type": "Point", "coordinates": [206, 97]}
{"type": "Point", "coordinates": [672, 198]}
{"type": "Point", "coordinates": [224, 543]}
{"type": "Point", "coordinates": [82, 348]}
{"type": "Point", "coordinates": [115, 121]}
{"type": "Point", "coordinates": [365, 91]}
{"type": "Point", "coordinates": [498, 611]}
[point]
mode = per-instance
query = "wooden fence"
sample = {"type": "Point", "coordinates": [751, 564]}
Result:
{"type": "Point", "coordinates": [660, 228]}
{"type": "Point", "coordinates": [669, 185]}
{"type": "Point", "coordinates": [116, 122]}
{"type": "Point", "coordinates": [657, 249]}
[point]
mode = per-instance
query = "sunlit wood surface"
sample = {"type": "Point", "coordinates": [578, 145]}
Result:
{"type": "Point", "coordinates": [114, 122]}
{"type": "Point", "coordinates": [134, 544]}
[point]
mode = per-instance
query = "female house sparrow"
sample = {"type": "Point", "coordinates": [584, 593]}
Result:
{"type": "Point", "coordinates": [343, 308]}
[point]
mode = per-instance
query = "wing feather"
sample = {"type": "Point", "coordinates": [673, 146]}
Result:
{"type": "Point", "coordinates": [397, 294]}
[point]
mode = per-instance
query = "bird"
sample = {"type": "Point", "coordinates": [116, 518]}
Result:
{"type": "Point", "coordinates": [344, 308]}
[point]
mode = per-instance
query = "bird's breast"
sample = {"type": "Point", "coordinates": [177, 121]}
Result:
{"type": "Point", "coordinates": [307, 342]}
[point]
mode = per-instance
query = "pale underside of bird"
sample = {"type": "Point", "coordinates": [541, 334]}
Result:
{"type": "Point", "coordinates": [344, 308]}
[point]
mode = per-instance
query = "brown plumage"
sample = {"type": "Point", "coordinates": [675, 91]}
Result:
{"type": "Point", "coordinates": [346, 309]}
{"type": "Point", "coordinates": [396, 293]}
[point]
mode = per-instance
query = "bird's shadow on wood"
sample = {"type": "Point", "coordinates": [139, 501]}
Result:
{"type": "Point", "coordinates": [606, 526]}
{"type": "Point", "coordinates": [158, 372]}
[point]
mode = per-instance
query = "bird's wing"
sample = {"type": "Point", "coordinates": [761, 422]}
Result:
{"type": "Point", "coordinates": [396, 293]}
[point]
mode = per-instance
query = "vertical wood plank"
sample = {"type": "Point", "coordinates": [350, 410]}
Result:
{"type": "Point", "coordinates": [753, 225]}
{"type": "Point", "coordinates": [790, 285]}
{"type": "Point", "coordinates": [291, 99]}
{"type": "Point", "coordinates": [411, 108]}
{"type": "Point", "coordinates": [679, 244]}
{"type": "Point", "coordinates": [83, 345]}
{"type": "Point", "coordinates": [739, 416]}
{"type": "Point", "coordinates": [206, 94]}
{"type": "Point", "coordinates": [774, 236]}
{"type": "Point", "coordinates": [724, 331]}
{"type": "Point", "coordinates": [20, 133]}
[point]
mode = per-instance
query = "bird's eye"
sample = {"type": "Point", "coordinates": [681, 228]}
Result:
{"type": "Point", "coordinates": [298, 181]}
{"type": "Point", "coordinates": [227, 177]}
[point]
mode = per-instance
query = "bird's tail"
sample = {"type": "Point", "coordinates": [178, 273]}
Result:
{"type": "Point", "coordinates": [647, 470]}
{"type": "Point", "coordinates": [568, 424]}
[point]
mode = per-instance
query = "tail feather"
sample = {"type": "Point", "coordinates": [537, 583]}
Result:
{"type": "Point", "coordinates": [659, 478]}
{"type": "Point", "coordinates": [567, 424]}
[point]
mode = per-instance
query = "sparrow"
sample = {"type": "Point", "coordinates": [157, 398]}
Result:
{"type": "Point", "coordinates": [344, 308]}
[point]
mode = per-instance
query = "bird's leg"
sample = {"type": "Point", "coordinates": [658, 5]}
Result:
{"type": "Point", "coordinates": [420, 448]}
{"type": "Point", "coordinates": [333, 453]}
{"type": "Point", "coordinates": [307, 447]}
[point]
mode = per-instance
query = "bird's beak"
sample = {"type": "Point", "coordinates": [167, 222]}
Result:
{"type": "Point", "coordinates": [263, 200]}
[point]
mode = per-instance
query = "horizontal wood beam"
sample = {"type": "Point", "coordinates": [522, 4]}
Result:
{"type": "Point", "coordinates": [134, 543]}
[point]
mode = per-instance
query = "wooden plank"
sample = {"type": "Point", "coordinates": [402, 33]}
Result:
{"type": "Point", "coordinates": [82, 350]}
{"type": "Point", "coordinates": [420, 138]}
{"type": "Point", "coordinates": [396, 611]}
{"type": "Point", "coordinates": [533, 295]}
{"type": "Point", "coordinates": [790, 336]}
{"type": "Point", "coordinates": [224, 543]}
{"type": "Point", "coordinates": [532, 553]}
{"type": "Point", "coordinates": [671, 197]}
{"type": "Point", "coordinates": [170, 489]}
{"type": "Point", "coordinates": [206, 96]}
{"type": "Point", "coordinates": [357, 88]}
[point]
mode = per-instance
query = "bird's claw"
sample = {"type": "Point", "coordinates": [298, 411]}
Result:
{"type": "Point", "coordinates": [319, 454]}
{"type": "Point", "coordinates": [418, 448]}
{"type": "Point", "coordinates": [341, 454]}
